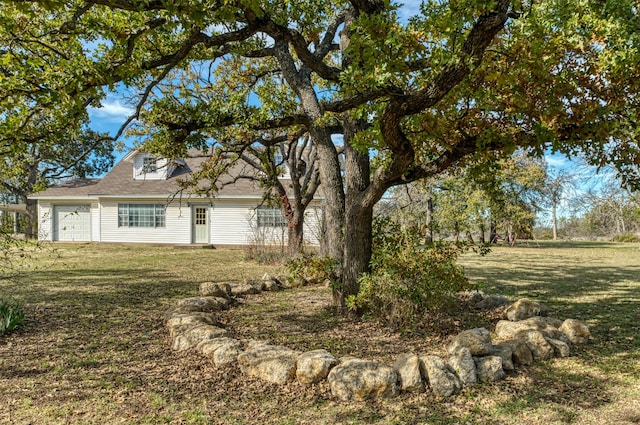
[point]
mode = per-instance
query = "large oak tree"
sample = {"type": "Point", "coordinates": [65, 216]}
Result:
{"type": "Point", "coordinates": [461, 81]}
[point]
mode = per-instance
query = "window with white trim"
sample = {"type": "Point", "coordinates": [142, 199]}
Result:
{"type": "Point", "coordinates": [141, 215]}
{"type": "Point", "coordinates": [270, 217]}
{"type": "Point", "coordinates": [149, 165]}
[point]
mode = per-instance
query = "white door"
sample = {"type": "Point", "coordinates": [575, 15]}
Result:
{"type": "Point", "coordinates": [200, 224]}
{"type": "Point", "coordinates": [72, 223]}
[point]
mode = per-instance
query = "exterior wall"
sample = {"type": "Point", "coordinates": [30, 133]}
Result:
{"type": "Point", "coordinates": [177, 229]}
{"type": "Point", "coordinates": [95, 222]}
{"type": "Point", "coordinates": [45, 218]}
{"type": "Point", "coordinates": [230, 222]}
{"type": "Point", "coordinates": [162, 168]}
{"type": "Point", "coordinates": [313, 224]}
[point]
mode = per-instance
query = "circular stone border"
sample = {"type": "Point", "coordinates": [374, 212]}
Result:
{"type": "Point", "coordinates": [526, 335]}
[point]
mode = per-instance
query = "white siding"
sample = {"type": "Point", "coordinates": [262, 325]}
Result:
{"type": "Point", "coordinates": [313, 224]}
{"type": "Point", "coordinates": [177, 229]}
{"type": "Point", "coordinates": [162, 168]}
{"type": "Point", "coordinates": [45, 217]}
{"type": "Point", "coordinates": [235, 223]}
{"type": "Point", "coordinates": [230, 222]}
{"type": "Point", "coordinates": [95, 222]}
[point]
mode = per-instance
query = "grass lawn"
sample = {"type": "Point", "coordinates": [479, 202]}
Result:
{"type": "Point", "coordinates": [94, 349]}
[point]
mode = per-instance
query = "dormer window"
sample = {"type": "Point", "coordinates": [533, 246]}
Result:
{"type": "Point", "coordinates": [149, 165]}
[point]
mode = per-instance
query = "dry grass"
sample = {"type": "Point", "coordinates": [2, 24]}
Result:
{"type": "Point", "coordinates": [94, 349]}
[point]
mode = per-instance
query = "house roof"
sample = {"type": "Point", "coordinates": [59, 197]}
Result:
{"type": "Point", "coordinates": [119, 182]}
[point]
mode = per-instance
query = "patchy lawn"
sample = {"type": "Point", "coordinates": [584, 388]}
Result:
{"type": "Point", "coordinates": [94, 349]}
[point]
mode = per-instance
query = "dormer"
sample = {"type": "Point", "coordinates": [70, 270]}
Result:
{"type": "Point", "coordinates": [150, 167]}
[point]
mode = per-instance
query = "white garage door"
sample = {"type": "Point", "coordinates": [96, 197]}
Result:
{"type": "Point", "coordinates": [72, 223]}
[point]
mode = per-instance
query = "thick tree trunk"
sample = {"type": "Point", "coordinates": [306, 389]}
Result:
{"type": "Point", "coordinates": [358, 219]}
{"type": "Point", "coordinates": [429, 220]}
{"type": "Point", "coordinates": [31, 223]}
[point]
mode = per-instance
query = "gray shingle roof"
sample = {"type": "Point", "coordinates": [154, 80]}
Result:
{"type": "Point", "coordinates": [120, 182]}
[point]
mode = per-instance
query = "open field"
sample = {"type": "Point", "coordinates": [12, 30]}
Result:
{"type": "Point", "coordinates": [94, 349]}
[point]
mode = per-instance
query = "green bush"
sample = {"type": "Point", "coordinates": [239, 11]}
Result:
{"type": "Point", "coordinates": [409, 279]}
{"type": "Point", "coordinates": [629, 237]}
{"type": "Point", "coordinates": [311, 268]}
{"type": "Point", "coordinates": [11, 316]}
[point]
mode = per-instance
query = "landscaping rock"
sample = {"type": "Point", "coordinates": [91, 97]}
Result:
{"type": "Point", "coordinates": [270, 363]}
{"type": "Point", "coordinates": [560, 348]}
{"type": "Point", "coordinates": [314, 366]}
{"type": "Point", "coordinates": [505, 353]}
{"type": "Point", "coordinates": [215, 289]}
{"type": "Point", "coordinates": [407, 366]}
{"type": "Point", "coordinates": [520, 352]}
{"type": "Point", "coordinates": [489, 368]}
{"type": "Point", "coordinates": [242, 289]}
{"type": "Point", "coordinates": [357, 379]}
{"type": "Point", "coordinates": [223, 351]}
{"type": "Point", "coordinates": [461, 361]}
{"type": "Point", "coordinates": [548, 326]}
{"type": "Point", "coordinates": [271, 285]}
{"type": "Point", "coordinates": [492, 301]}
{"type": "Point", "coordinates": [440, 376]}
{"type": "Point", "coordinates": [537, 343]}
{"type": "Point", "coordinates": [524, 309]}
{"type": "Point", "coordinates": [177, 323]}
{"type": "Point", "coordinates": [193, 336]}
{"type": "Point", "coordinates": [201, 304]}
{"type": "Point", "coordinates": [477, 340]}
{"type": "Point", "coordinates": [576, 331]}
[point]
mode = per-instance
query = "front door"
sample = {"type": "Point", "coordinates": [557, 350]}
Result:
{"type": "Point", "coordinates": [200, 225]}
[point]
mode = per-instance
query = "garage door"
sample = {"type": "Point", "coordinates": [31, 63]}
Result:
{"type": "Point", "coordinates": [72, 223]}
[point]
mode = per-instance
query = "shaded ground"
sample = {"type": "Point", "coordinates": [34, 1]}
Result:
{"type": "Point", "coordinates": [94, 349]}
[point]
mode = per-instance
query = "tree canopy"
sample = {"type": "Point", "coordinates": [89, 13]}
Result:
{"type": "Point", "coordinates": [459, 82]}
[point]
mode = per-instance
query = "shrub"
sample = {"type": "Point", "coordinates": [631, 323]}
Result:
{"type": "Point", "coordinates": [311, 268]}
{"type": "Point", "coordinates": [409, 279]}
{"type": "Point", "coordinates": [11, 316]}
{"type": "Point", "coordinates": [628, 237]}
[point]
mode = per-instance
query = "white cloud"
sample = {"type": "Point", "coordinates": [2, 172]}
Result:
{"type": "Point", "coordinates": [111, 111]}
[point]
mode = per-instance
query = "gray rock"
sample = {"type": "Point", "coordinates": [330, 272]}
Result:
{"type": "Point", "coordinates": [506, 329]}
{"type": "Point", "coordinates": [537, 343]}
{"type": "Point", "coordinates": [177, 323]}
{"type": "Point", "coordinates": [576, 331]}
{"type": "Point", "coordinates": [492, 301]}
{"type": "Point", "coordinates": [243, 289]}
{"type": "Point", "coordinates": [215, 289]}
{"type": "Point", "coordinates": [271, 285]}
{"type": "Point", "coordinates": [407, 366]}
{"type": "Point", "coordinates": [270, 363]}
{"type": "Point", "coordinates": [314, 366]}
{"type": "Point", "coordinates": [524, 309]}
{"type": "Point", "coordinates": [505, 353]}
{"type": "Point", "coordinates": [193, 336]}
{"type": "Point", "coordinates": [477, 340]}
{"type": "Point", "coordinates": [560, 348]}
{"type": "Point", "coordinates": [201, 304]}
{"type": "Point", "coordinates": [462, 363]}
{"type": "Point", "coordinates": [489, 368]}
{"type": "Point", "coordinates": [520, 352]}
{"type": "Point", "coordinates": [441, 378]}
{"type": "Point", "coordinates": [223, 351]}
{"type": "Point", "coordinates": [357, 379]}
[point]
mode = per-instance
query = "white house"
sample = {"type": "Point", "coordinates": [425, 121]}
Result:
{"type": "Point", "coordinates": [140, 201]}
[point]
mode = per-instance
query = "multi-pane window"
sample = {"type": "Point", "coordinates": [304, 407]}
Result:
{"type": "Point", "coordinates": [149, 165]}
{"type": "Point", "coordinates": [141, 215]}
{"type": "Point", "coordinates": [270, 217]}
